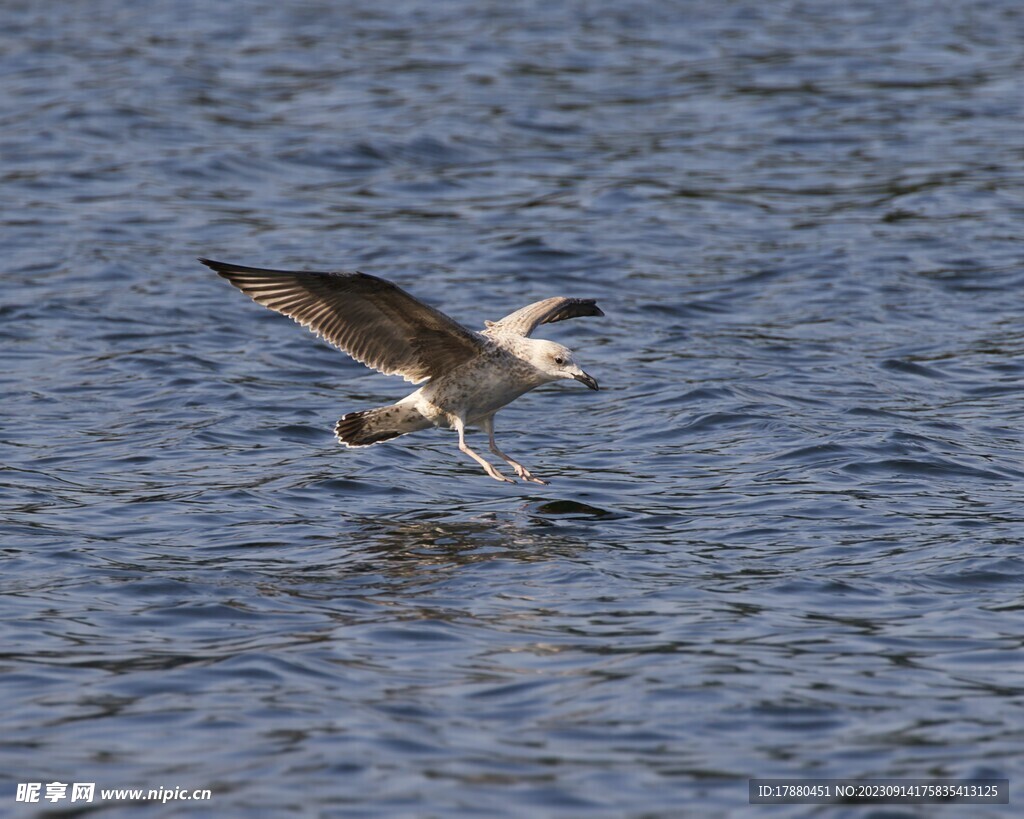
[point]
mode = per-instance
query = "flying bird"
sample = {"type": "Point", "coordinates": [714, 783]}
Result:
{"type": "Point", "coordinates": [467, 376]}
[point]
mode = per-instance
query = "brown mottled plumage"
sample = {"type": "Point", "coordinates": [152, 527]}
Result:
{"type": "Point", "coordinates": [469, 375]}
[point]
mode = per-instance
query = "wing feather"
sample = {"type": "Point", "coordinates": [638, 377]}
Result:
{"type": "Point", "coordinates": [527, 319]}
{"type": "Point", "coordinates": [373, 320]}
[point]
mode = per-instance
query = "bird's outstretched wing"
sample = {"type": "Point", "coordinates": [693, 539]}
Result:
{"type": "Point", "coordinates": [524, 321]}
{"type": "Point", "coordinates": [373, 320]}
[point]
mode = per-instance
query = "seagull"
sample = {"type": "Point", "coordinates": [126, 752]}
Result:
{"type": "Point", "coordinates": [467, 376]}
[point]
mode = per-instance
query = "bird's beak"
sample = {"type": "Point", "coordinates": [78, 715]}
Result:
{"type": "Point", "coordinates": [583, 378]}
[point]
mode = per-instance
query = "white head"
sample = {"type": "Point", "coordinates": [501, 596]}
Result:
{"type": "Point", "coordinates": [556, 361]}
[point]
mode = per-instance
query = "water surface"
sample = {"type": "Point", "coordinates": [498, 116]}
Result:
{"type": "Point", "coordinates": [783, 540]}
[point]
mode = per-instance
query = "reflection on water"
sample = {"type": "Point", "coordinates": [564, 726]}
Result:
{"type": "Point", "coordinates": [783, 541]}
{"type": "Point", "coordinates": [403, 548]}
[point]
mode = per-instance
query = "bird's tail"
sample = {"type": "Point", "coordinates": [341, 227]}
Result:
{"type": "Point", "coordinates": [381, 424]}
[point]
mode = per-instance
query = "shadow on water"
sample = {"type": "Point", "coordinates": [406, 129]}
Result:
{"type": "Point", "coordinates": [417, 545]}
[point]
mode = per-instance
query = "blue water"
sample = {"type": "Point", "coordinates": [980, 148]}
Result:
{"type": "Point", "coordinates": [783, 540]}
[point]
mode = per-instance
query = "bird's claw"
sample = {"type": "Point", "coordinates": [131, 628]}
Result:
{"type": "Point", "coordinates": [525, 475]}
{"type": "Point", "coordinates": [494, 473]}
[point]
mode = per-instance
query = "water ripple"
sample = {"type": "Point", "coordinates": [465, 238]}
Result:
{"type": "Point", "coordinates": [783, 540]}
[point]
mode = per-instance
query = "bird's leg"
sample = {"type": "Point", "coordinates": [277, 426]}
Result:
{"type": "Point", "coordinates": [521, 470]}
{"type": "Point", "coordinates": [460, 427]}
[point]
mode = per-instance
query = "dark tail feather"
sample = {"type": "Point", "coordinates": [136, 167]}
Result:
{"type": "Point", "coordinates": [356, 429]}
{"type": "Point", "coordinates": [381, 424]}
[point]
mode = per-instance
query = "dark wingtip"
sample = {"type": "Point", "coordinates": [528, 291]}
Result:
{"type": "Point", "coordinates": [588, 307]}
{"type": "Point", "coordinates": [218, 267]}
{"type": "Point", "coordinates": [226, 269]}
{"type": "Point", "coordinates": [575, 308]}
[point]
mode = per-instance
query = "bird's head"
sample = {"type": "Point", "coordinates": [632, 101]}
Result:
{"type": "Point", "coordinates": [556, 361]}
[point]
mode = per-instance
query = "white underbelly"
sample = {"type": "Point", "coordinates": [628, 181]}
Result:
{"type": "Point", "coordinates": [470, 397]}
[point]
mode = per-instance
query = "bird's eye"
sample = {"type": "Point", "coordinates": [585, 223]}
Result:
{"type": "Point", "coordinates": [559, 360]}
